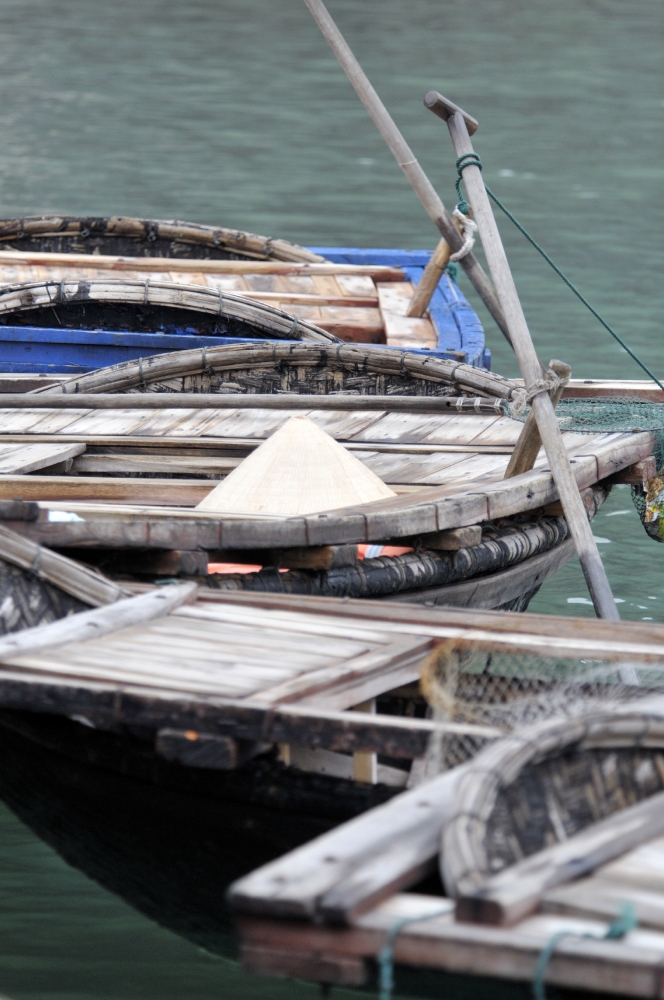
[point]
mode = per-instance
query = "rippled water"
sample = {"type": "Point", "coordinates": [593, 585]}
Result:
{"type": "Point", "coordinates": [233, 112]}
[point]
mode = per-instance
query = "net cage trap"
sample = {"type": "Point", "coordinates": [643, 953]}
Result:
{"type": "Point", "coordinates": [479, 694]}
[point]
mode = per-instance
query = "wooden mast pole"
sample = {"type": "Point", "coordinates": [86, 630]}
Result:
{"type": "Point", "coordinates": [404, 156]}
{"type": "Point", "coordinates": [577, 521]}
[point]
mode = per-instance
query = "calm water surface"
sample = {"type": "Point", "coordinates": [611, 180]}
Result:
{"type": "Point", "coordinates": [233, 112]}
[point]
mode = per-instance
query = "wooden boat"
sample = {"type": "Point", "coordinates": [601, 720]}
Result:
{"type": "Point", "coordinates": [442, 450]}
{"type": "Point", "coordinates": [189, 755]}
{"type": "Point", "coordinates": [549, 843]}
{"type": "Point", "coordinates": [356, 295]}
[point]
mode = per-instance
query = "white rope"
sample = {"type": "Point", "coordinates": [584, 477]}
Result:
{"type": "Point", "coordinates": [468, 230]}
{"type": "Point", "coordinates": [549, 383]}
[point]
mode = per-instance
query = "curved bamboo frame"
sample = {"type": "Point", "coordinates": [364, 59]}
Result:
{"type": "Point", "coordinates": [226, 305]}
{"type": "Point", "coordinates": [464, 861]}
{"type": "Point", "coordinates": [71, 233]}
{"type": "Point", "coordinates": [318, 358]}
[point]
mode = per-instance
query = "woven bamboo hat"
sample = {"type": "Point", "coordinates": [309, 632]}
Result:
{"type": "Point", "coordinates": [299, 470]}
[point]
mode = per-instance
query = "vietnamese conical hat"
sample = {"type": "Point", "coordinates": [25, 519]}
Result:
{"type": "Point", "coordinates": [299, 470]}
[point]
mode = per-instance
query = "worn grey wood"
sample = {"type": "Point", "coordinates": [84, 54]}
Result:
{"type": "Point", "coordinates": [527, 447]}
{"type": "Point", "coordinates": [20, 459]}
{"type": "Point", "coordinates": [230, 401]}
{"type": "Point", "coordinates": [591, 563]}
{"type": "Point", "coordinates": [89, 586]}
{"type": "Point", "coordinates": [404, 156]}
{"type": "Point", "coordinates": [297, 884]}
{"type": "Point", "coordinates": [515, 892]}
{"type": "Point", "coordinates": [92, 624]}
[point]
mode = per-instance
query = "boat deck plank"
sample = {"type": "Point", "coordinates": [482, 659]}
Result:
{"type": "Point", "coordinates": [437, 489]}
{"type": "Point", "coordinates": [351, 302]}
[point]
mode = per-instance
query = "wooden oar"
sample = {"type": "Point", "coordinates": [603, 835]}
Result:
{"type": "Point", "coordinates": [404, 156]}
{"type": "Point", "coordinates": [598, 584]}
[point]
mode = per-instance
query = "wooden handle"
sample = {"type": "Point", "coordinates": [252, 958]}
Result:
{"type": "Point", "coordinates": [445, 109]}
{"type": "Point", "coordinates": [556, 452]}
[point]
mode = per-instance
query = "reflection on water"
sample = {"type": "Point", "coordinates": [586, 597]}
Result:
{"type": "Point", "coordinates": [634, 563]}
{"type": "Point", "coordinates": [64, 937]}
{"type": "Point", "coordinates": [235, 113]}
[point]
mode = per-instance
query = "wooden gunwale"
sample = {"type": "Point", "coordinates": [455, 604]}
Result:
{"type": "Point", "coordinates": [221, 401]}
{"type": "Point", "coordinates": [113, 263]}
{"type": "Point", "coordinates": [342, 955]}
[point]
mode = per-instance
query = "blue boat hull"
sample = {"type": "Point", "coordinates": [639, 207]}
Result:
{"type": "Point", "coordinates": [31, 350]}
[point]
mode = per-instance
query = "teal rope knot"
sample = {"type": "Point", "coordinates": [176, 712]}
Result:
{"type": "Point", "coordinates": [467, 160]}
{"type": "Point", "coordinates": [622, 925]}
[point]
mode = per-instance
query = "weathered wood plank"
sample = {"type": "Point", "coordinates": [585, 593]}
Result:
{"type": "Point", "coordinates": [631, 966]}
{"type": "Point", "coordinates": [232, 267]}
{"type": "Point", "coordinates": [186, 492]}
{"type": "Point", "coordinates": [88, 625]}
{"type": "Point", "coordinates": [21, 459]}
{"type": "Point", "coordinates": [294, 885]}
{"type": "Point", "coordinates": [70, 576]}
{"type": "Point", "coordinates": [512, 894]}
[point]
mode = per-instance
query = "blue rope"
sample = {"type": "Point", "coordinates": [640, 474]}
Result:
{"type": "Point", "coordinates": [385, 955]}
{"type": "Point", "coordinates": [473, 159]}
{"type": "Point", "coordinates": [622, 925]}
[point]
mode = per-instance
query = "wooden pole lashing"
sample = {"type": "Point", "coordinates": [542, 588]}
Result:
{"type": "Point", "coordinates": [579, 528]}
{"type": "Point", "coordinates": [404, 156]}
{"type": "Point", "coordinates": [527, 447]}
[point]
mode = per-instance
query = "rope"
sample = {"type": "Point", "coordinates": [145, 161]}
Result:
{"type": "Point", "coordinates": [385, 955]}
{"type": "Point", "coordinates": [472, 159]}
{"type": "Point", "coordinates": [468, 230]}
{"type": "Point", "coordinates": [624, 923]}
{"type": "Point", "coordinates": [549, 383]}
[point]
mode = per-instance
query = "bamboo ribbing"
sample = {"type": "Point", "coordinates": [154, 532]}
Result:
{"type": "Point", "coordinates": [144, 237]}
{"type": "Point", "coordinates": [17, 299]}
{"type": "Point", "coordinates": [312, 361]}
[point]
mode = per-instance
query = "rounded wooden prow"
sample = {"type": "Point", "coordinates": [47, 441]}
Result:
{"type": "Point", "coordinates": [445, 109]}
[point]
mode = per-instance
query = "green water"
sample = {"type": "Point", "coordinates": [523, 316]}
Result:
{"type": "Point", "coordinates": [233, 112]}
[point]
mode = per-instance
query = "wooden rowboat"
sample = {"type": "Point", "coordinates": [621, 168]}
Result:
{"type": "Point", "coordinates": [224, 723]}
{"type": "Point", "coordinates": [152, 439]}
{"type": "Point", "coordinates": [356, 295]}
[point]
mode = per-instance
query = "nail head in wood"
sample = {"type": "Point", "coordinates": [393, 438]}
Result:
{"type": "Point", "coordinates": [446, 109]}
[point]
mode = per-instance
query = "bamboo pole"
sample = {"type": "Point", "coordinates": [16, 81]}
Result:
{"type": "Point", "coordinates": [591, 563]}
{"type": "Point", "coordinates": [428, 283]}
{"type": "Point", "coordinates": [404, 156]}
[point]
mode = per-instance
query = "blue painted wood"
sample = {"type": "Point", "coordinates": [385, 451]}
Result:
{"type": "Point", "coordinates": [35, 350]}
{"type": "Point", "coordinates": [42, 350]}
{"type": "Point", "coordinates": [457, 324]}
{"type": "Point", "coordinates": [390, 258]}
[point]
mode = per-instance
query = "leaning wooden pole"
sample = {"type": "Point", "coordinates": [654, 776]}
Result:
{"type": "Point", "coordinates": [404, 156]}
{"type": "Point", "coordinates": [577, 521]}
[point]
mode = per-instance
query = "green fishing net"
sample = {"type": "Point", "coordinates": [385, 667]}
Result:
{"type": "Point", "coordinates": [615, 414]}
